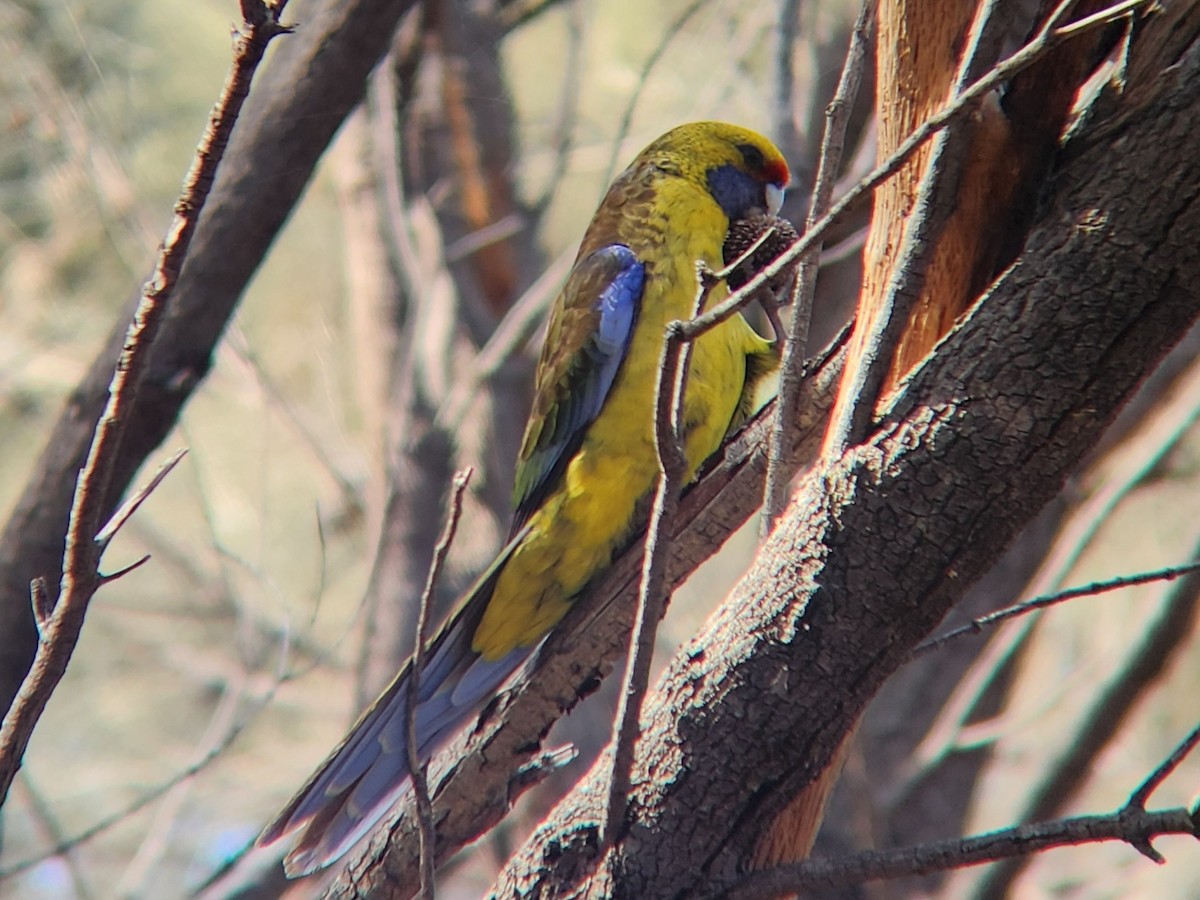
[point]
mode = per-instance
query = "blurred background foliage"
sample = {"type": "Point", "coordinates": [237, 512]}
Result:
{"type": "Point", "coordinates": [238, 652]}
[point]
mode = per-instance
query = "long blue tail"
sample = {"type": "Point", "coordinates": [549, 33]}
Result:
{"type": "Point", "coordinates": [369, 771]}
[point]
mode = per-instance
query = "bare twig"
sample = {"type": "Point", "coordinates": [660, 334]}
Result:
{"type": "Point", "coordinates": [837, 118]}
{"type": "Point", "coordinates": [1128, 826]}
{"type": "Point", "coordinates": [1138, 799]}
{"type": "Point", "coordinates": [1102, 17]}
{"type": "Point", "coordinates": [417, 768]}
{"type": "Point", "coordinates": [976, 626]}
{"type": "Point", "coordinates": [82, 556]}
{"type": "Point", "coordinates": [1108, 712]}
{"type": "Point", "coordinates": [123, 571]}
{"type": "Point", "coordinates": [737, 300]}
{"type": "Point", "coordinates": [1133, 824]}
{"type": "Point", "coordinates": [130, 506]}
{"type": "Point", "coordinates": [652, 592]}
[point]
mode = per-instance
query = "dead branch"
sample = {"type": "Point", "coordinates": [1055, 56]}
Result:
{"type": "Point", "coordinates": [416, 766]}
{"type": "Point", "coordinates": [80, 565]}
{"type": "Point", "coordinates": [314, 81]}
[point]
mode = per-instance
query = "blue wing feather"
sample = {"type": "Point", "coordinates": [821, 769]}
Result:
{"type": "Point", "coordinates": [604, 293]}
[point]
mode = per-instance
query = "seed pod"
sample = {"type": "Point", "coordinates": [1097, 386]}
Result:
{"type": "Point", "coordinates": [743, 234]}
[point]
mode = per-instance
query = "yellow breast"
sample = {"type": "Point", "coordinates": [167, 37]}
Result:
{"type": "Point", "coordinates": [575, 532]}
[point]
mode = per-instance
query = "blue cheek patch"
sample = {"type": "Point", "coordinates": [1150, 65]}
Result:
{"type": "Point", "coordinates": [735, 191]}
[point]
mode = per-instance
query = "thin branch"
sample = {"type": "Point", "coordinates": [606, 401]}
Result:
{"type": "Point", "coordinates": [1095, 588]}
{"type": "Point", "coordinates": [1103, 17]}
{"type": "Point", "coordinates": [1128, 826]}
{"type": "Point", "coordinates": [82, 556]}
{"type": "Point", "coordinates": [1110, 709]}
{"type": "Point", "coordinates": [652, 592]}
{"type": "Point", "coordinates": [123, 571]}
{"type": "Point", "coordinates": [837, 118]}
{"type": "Point", "coordinates": [1140, 796]}
{"type": "Point", "coordinates": [418, 768]}
{"type": "Point", "coordinates": [130, 506]}
{"type": "Point", "coordinates": [737, 300]}
{"type": "Point", "coordinates": [1132, 824]}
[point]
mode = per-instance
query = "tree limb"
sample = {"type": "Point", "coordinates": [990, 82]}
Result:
{"type": "Point", "coordinates": [59, 633]}
{"type": "Point", "coordinates": [881, 542]}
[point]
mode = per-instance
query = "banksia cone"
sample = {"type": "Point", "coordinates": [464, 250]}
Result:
{"type": "Point", "coordinates": [743, 234]}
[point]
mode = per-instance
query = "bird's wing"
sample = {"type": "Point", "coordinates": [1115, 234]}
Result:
{"type": "Point", "coordinates": [587, 339]}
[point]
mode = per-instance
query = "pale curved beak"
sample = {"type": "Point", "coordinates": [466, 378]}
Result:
{"type": "Point", "coordinates": [775, 198]}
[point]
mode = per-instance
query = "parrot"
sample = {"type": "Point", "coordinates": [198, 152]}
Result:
{"type": "Point", "coordinates": [587, 461]}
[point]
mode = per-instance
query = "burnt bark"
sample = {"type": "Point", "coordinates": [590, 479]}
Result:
{"type": "Point", "coordinates": [879, 544]}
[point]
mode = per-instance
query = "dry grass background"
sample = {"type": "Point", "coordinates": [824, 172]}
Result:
{"type": "Point", "coordinates": [262, 539]}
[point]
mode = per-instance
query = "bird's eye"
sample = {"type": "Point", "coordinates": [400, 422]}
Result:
{"type": "Point", "coordinates": [752, 155]}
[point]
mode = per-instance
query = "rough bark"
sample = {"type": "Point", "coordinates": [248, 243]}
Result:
{"type": "Point", "coordinates": [880, 543]}
{"type": "Point", "coordinates": [970, 197]}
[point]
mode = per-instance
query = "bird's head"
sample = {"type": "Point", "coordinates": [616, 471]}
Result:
{"type": "Point", "coordinates": [743, 171]}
